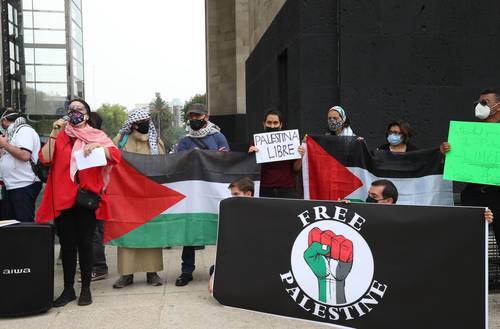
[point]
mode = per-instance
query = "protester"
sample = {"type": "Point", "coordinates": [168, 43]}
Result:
{"type": "Point", "coordinates": [338, 122]}
{"type": "Point", "coordinates": [74, 198]}
{"type": "Point", "coordinates": [242, 187]}
{"type": "Point", "coordinates": [398, 134]}
{"type": "Point", "coordinates": [100, 267]}
{"type": "Point", "coordinates": [487, 109]}
{"type": "Point", "coordinates": [19, 145]}
{"type": "Point", "coordinates": [278, 179]}
{"type": "Point", "coordinates": [138, 135]}
{"type": "Point", "coordinates": [203, 135]}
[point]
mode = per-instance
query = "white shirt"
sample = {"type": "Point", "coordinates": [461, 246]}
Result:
{"type": "Point", "coordinates": [16, 173]}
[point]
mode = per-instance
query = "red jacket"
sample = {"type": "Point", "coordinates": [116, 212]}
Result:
{"type": "Point", "coordinates": [60, 191]}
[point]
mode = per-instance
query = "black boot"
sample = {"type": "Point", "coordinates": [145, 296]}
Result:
{"type": "Point", "coordinates": [67, 296]}
{"type": "Point", "coordinates": [85, 297]}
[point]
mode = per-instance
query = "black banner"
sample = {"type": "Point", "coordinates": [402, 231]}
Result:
{"type": "Point", "coordinates": [356, 265]}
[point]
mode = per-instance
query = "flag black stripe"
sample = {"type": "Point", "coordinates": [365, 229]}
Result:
{"type": "Point", "coordinates": [210, 166]}
{"type": "Point", "coordinates": [352, 152]}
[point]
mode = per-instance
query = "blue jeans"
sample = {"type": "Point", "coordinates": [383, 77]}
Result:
{"type": "Point", "coordinates": [21, 202]}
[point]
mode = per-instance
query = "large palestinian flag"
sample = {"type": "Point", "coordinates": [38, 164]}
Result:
{"type": "Point", "coordinates": [343, 168]}
{"type": "Point", "coordinates": [172, 200]}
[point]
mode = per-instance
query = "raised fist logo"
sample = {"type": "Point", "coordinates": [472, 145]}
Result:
{"type": "Point", "coordinates": [330, 258]}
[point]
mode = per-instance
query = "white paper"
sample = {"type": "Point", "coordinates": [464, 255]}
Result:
{"type": "Point", "coordinates": [96, 158]}
{"type": "Point", "coordinates": [277, 146]}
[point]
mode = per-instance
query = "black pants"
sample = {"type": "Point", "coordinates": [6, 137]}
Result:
{"type": "Point", "coordinates": [76, 227]}
{"type": "Point", "coordinates": [99, 265]}
{"type": "Point", "coordinates": [488, 196]}
{"type": "Point", "coordinates": [278, 192]}
{"type": "Point", "coordinates": [21, 202]}
{"type": "Point", "coordinates": [188, 259]}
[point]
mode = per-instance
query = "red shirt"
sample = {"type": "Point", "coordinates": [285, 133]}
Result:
{"type": "Point", "coordinates": [60, 190]}
{"type": "Point", "coordinates": [278, 174]}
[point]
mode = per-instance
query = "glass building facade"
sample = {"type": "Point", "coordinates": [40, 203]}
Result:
{"type": "Point", "coordinates": [11, 55]}
{"type": "Point", "coordinates": [53, 51]}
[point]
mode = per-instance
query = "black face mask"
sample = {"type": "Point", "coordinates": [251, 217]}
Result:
{"type": "Point", "coordinates": [271, 130]}
{"type": "Point", "coordinates": [371, 200]}
{"type": "Point", "coordinates": [143, 128]}
{"type": "Point", "coordinates": [197, 124]}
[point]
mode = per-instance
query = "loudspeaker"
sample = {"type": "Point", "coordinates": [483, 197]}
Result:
{"type": "Point", "coordinates": [26, 269]}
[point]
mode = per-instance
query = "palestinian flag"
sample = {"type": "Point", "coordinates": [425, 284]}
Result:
{"type": "Point", "coordinates": [173, 199]}
{"type": "Point", "coordinates": [343, 168]}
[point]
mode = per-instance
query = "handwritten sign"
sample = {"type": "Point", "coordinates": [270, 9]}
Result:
{"type": "Point", "coordinates": [277, 146]}
{"type": "Point", "coordinates": [475, 153]}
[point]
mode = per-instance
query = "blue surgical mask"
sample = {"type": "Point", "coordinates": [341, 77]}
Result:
{"type": "Point", "coordinates": [394, 139]}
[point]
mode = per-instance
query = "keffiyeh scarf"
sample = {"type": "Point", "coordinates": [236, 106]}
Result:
{"type": "Point", "coordinates": [136, 116]}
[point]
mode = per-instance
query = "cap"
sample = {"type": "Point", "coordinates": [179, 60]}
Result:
{"type": "Point", "coordinates": [197, 108]}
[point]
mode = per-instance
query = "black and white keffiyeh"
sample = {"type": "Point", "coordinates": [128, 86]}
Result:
{"type": "Point", "coordinates": [139, 115]}
{"type": "Point", "coordinates": [210, 129]}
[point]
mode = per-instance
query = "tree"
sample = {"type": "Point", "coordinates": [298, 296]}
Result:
{"type": "Point", "coordinates": [198, 98]}
{"type": "Point", "coordinates": [113, 118]}
{"type": "Point", "coordinates": [163, 119]}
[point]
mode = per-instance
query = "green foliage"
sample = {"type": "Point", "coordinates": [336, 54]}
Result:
{"type": "Point", "coordinates": [198, 98]}
{"type": "Point", "coordinates": [163, 119]}
{"type": "Point", "coordinates": [113, 117]}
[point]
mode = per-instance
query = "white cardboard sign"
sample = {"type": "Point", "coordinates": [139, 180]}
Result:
{"type": "Point", "coordinates": [277, 146]}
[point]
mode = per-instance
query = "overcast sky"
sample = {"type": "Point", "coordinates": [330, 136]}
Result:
{"type": "Point", "coordinates": [136, 48]}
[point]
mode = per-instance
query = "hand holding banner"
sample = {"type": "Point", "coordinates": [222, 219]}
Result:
{"type": "Point", "coordinates": [475, 153]}
{"type": "Point", "coordinates": [277, 146]}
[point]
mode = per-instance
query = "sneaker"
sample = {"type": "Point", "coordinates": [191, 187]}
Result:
{"type": "Point", "coordinates": [184, 279]}
{"type": "Point", "coordinates": [85, 297]}
{"type": "Point", "coordinates": [96, 276]}
{"type": "Point", "coordinates": [68, 295]}
{"type": "Point", "coordinates": [153, 279]}
{"type": "Point", "coordinates": [124, 281]}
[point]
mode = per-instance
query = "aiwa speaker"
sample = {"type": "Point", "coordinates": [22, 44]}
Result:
{"type": "Point", "coordinates": [26, 269]}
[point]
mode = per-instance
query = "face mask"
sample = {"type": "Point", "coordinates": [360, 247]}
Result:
{"type": "Point", "coordinates": [271, 130]}
{"type": "Point", "coordinates": [371, 200]}
{"type": "Point", "coordinates": [143, 128]}
{"type": "Point", "coordinates": [394, 139]}
{"type": "Point", "coordinates": [197, 124]}
{"type": "Point", "coordinates": [76, 118]}
{"type": "Point", "coordinates": [334, 125]}
{"type": "Point", "coordinates": [482, 111]}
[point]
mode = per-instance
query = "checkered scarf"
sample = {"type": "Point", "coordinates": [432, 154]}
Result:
{"type": "Point", "coordinates": [136, 116]}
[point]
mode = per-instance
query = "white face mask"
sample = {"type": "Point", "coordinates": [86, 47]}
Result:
{"type": "Point", "coordinates": [482, 111]}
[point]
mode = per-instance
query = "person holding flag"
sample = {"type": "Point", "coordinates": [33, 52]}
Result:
{"type": "Point", "coordinates": [138, 135]}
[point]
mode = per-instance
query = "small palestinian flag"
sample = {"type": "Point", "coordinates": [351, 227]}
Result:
{"type": "Point", "coordinates": [172, 200]}
{"type": "Point", "coordinates": [342, 168]}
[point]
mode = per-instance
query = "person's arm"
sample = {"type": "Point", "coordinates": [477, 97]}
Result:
{"type": "Point", "coordinates": [297, 164]}
{"type": "Point", "coordinates": [222, 144]}
{"type": "Point", "coordinates": [47, 151]}
{"type": "Point", "coordinates": [17, 152]}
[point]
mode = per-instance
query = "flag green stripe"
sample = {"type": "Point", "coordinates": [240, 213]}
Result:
{"type": "Point", "coordinates": [168, 230]}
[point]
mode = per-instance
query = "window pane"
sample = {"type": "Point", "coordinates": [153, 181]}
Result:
{"type": "Point", "coordinates": [10, 9]}
{"type": "Point", "coordinates": [50, 73]}
{"type": "Point", "coordinates": [52, 89]}
{"type": "Point", "coordinates": [28, 19]}
{"type": "Point", "coordinates": [78, 3]}
{"type": "Point", "coordinates": [78, 70]}
{"type": "Point", "coordinates": [12, 67]}
{"type": "Point", "coordinates": [78, 52]}
{"type": "Point", "coordinates": [77, 34]}
{"type": "Point", "coordinates": [11, 28]}
{"type": "Point", "coordinates": [48, 5]}
{"type": "Point", "coordinates": [76, 14]}
{"type": "Point", "coordinates": [29, 55]}
{"type": "Point", "coordinates": [27, 4]}
{"type": "Point", "coordinates": [53, 37]}
{"type": "Point", "coordinates": [48, 20]}
{"type": "Point", "coordinates": [30, 73]}
{"type": "Point", "coordinates": [50, 56]}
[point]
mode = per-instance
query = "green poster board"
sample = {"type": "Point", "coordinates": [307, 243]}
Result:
{"type": "Point", "coordinates": [475, 153]}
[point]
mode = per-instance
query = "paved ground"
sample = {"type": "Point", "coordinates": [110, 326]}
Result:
{"type": "Point", "coordinates": [142, 306]}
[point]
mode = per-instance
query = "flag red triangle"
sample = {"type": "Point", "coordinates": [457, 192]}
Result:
{"type": "Point", "coordinates": [328, 178]}
{"type": "Point", "coordinates": [134, 199]}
